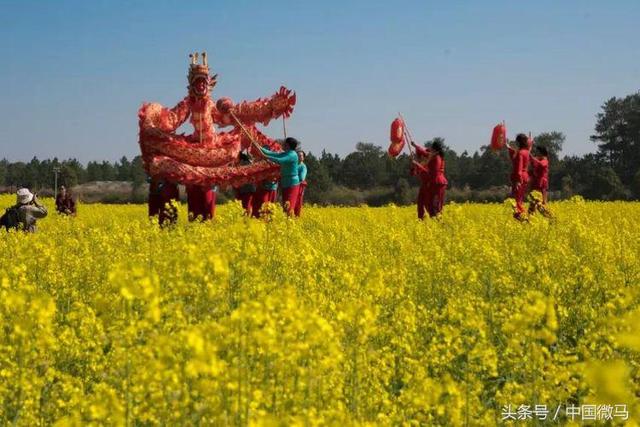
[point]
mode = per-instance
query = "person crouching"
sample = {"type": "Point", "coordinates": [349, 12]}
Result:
{"type": "Point", "coordinates": [65, 205]}
{"type": "Point", "coordinates": [25, 213]}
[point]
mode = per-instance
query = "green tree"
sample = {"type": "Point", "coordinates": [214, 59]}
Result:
{"type": "Point", "coordinates": [605, 184]}
{"type": "Point", "coordinates": [465, 170]}
{"type": "Point", "coordinates": [16, 174]}
{"type": "Point", "coordinates": [94, 172]}
{"type": "Point", "coordinates": [491, 169]}
{"type": "Point", "coordinates": [4, 166]}
{"type": "Point", "coordinates": [398, 169]}
{"type": "Point", "coordinates": [72, 173]}
{"type": "Point", "coordinates": [403, 193]}
{"type": "Point", "coordinates": [32, 175]}
{"type": "Point", "coordinates": [109, 171]}
{"type": "Point", "coordinates": [617, 133]}
{"type": "Point", "coordinates": [364, 168]}
{"type": "Point", "coordinates": [318, 176]}
{"type": "Point", "coordinates": [332, 163]}
{"type": "Point", "coordinates": [123, 169]}
{"type": "Point", "coordinates": [138, 175]}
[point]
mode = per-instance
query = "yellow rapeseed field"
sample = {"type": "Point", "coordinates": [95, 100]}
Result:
{"type": "Point", "coordinates": [347, 316]}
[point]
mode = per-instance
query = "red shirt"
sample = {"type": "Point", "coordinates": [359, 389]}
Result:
{"type": "Point", "coordinates": [540, 172]}
{"type": "Point", "coordinates": [421, 171]}
{"type": "Point", "coordinates": [520, 164]}
{"type": "Point", "coordinates": [435, 169]}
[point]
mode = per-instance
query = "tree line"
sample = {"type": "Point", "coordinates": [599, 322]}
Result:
{"type": "Point", "coordinates": [368, 175]}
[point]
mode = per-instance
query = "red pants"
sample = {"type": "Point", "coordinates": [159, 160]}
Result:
{"type": "Point", "coordinates": [435, 198]}
{"type": "Point", "coordinates": [518, 192]}
{"type": "Point", "coordinates": [260, 197]}
{"type": "Point", "coordinates": [290, 198]}
{"type": "Point", "coordinates": [247, 201]}
{"type": "Point", "coordinates": [160, 194]}
{"type": "Point", "coordinates": [423, 197]}
{"type": "Point", "coordinates": [298, 208]}
{"type": "Point", "coordinates": [201, 202]}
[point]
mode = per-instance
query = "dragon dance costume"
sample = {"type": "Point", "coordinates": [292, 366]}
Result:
{"type": "Point", "coordinates": [205, 157]}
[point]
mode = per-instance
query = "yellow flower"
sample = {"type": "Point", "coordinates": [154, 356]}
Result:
{"type": "Point", "coordinates": [346, 316]}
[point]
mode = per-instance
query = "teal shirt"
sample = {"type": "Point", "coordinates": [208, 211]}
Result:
{"type": "Point", "coordinates": [302, 172]}
{"type": "Point", "coordinates": [270, 185]}
{"type": "Point", "coordinates": [288, 162]}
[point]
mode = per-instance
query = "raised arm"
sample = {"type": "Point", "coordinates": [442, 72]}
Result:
{"type": "Point", "coordinates": [534, 161]}
{"type": "Point", "coordinates": [422, 151]}
{"type": "Point", "coordinates": [262, 110]}
{"type": "Point", "coordinates": [274, 156]}
{"type": "Point", "coordinates": [36, 210]}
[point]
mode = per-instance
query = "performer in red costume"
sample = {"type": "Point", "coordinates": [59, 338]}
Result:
{"type": "Point", "coordinates": [162, 196]}
{"type": "Point", "coordinates": [519, 173]}
{"type": "Point", "coordinates": [437, 181]}
{"type": "Point", "coordinates": [540, 182]}
{"type": "Point", "coordinates": [420, 169]}
{"type": "Point", "coordinates": [246, 192]}
{"type": "Point", "coordinates": [201, 202]}
{"type": "Point", "coordinates": [206, 158]}
{"type": "Point", "coordinates": [266, 192]}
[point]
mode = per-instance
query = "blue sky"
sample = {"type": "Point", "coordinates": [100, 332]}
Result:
{"type": "Point", "coordinates": [74, 73]}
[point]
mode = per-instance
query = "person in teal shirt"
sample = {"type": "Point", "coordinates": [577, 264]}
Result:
{"type": "Point", "coordinates": [302, 177]}
{"type": "Point", "coordinates": [289, 178]}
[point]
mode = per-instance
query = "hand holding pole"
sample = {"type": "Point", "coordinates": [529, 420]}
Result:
{"type": "Point", "coordinates": [248, 135]}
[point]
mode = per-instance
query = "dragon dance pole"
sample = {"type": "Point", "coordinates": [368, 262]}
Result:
{"type": "Point", "coordinates": [246, 132]}
{"type": "Point", "coordinates": [406, 133]}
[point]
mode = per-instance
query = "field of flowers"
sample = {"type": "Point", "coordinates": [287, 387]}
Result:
{"type": "Point", "coordinates": [345, 316]}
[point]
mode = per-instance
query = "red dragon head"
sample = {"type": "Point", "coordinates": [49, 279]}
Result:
{"type": "Point", "coordinates": [200, 83]}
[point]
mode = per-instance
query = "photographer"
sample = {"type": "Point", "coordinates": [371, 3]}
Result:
{"type": "Point", "coordinates": [24, 213]}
